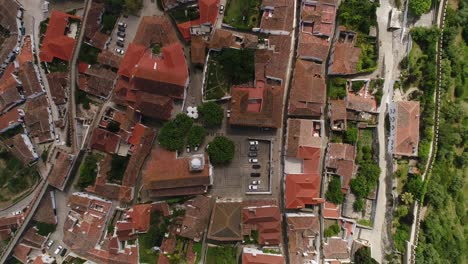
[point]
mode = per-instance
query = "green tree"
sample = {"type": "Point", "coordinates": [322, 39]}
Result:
{"type": "Point", "coordinates": [238, 65]}
{"type": "Point", "coordinates": [196, 136]}
{"type": "Point", "coordinates": [363, 256]}
{"type": "Point", "coordinates": [183, 123]}
{"type": "Point", "coordinates": [360, 187]}
{"type": "Point", "coordinates": [113, 127]}
{"type": "Point", "coordinates": [170, 137]}
{"type": "Point", "coordinates": [407, 198]}
{"type": "Point", "coordinates": [334, 193]}
{"type": "Point", "coordinates": [88, 171]}
{"type": "Point", "coordinates": [133, 6]}
{"type": "Point", "coordinates": [419, 7]}
{"type": "Point", "coordinates": [44, 229]}
{"type": "Point", "coordinates": [212, 114]}
{"type": "Point", "coordinates": [415, 186]}
{"type": "Point", "coordinates": [221, 150]}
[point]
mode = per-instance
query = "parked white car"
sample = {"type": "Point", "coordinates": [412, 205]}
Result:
{"type": "Point", "coordinates": [57, 251]}
{"type": "Point", "coordinates": [253, 143]}
{"type": "Point", "coordinates": [253, 160]}
{"type": "Point", "coordinates": [253, 187]}
{"type": "Point", "coordinates": [50, 243]}
{"type": "Point", "coordinates": [256, 182]}
{"type": "Point", "coordinates": [119, 51]}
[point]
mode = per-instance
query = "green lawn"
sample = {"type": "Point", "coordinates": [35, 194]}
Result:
{"type": "Point", "coordinates": [242, 14]}
{"type": "Point", "coordinates": [216, 86]}
{"type": "Point", "coordinates": [367, 61]}
{"type": "Point", "coordinates": [221, 255]}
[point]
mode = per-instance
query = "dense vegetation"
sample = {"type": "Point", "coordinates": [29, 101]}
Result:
{"type": "Point", "coordinates": [45, 229]}
{"type": "Point", "coordinates": [118, 166]}
{"type": "Point", "coordinates": [363, 256]}
{"type": "Point", "coordinates": [221, 150]}
{"type": "Point", "coordinates": [334, 193]}
{"type": "Point", "coordinates": [226, 68]}
{"type": "Point", "coordinates": [358, 15]}
{"type": "Point", "coordinates": [88, 170]}
{"type": "Point", "coordinates": [88, 54]}
{"type": "Point", "coordinates": [221, 255]}
{"type": "Point", "coordinates": [172, 135]}
{"type": "Point", "coordinates": [242, 14]}
{"type": "Point", "coordinates": [365, 181]}
{"type": "Point", "coordinates": [442, 235]}
{"type": "Point", "coordinates": [212, 114]}
{"type": "Point", "coordinates": [337, 88]}
{"type": "Point", "coordinates": [15, 177]}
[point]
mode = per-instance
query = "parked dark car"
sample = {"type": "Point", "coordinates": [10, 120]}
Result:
{"type": "Point", "coordinates": [121, 29]}
{"type": "Point", "coordinates": [255, 174]}
{"type": "Point", "coordinates": [256, 166]}
{"type": "Point", "coordinates": [121, 34]}
{"type": "Point", "coordinates": [252, 154]}
{"type": "Point", "coordinates": [64, 251]}
{"type": "Point", "coordinates": [253, 148]}
{"type": "Point", "coordinates": [120, 44]}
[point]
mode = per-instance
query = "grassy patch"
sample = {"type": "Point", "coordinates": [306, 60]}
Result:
{"type": "Point", "coordinates": [365, 137]}
{"type": "Point", "coordinates": [226, 68]}
{"type": "Point", "coordinates": [221, 255]}
{"type": "Point", "coordinates": [118, 166]}
{"type": "Point", "coordinates": [152, 238]}
{"type": "Point", "coordinates": [365, 222]}
{"type": "Point", "coordinates": [181, 15]}
{"type": "Point", "coordinates": [242, 14]}
{"type": "Point", "coordinates": [88, 54]}
{"type": "Point", "coordinates": [197, 249]}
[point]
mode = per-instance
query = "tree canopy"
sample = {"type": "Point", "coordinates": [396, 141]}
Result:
{"type": "Point", "coordinates": [221, 150]}
{"type": "Point", "coordinates": [363, 256]}
{"type": "Point", "coordinates": [196, 136]}
{"type": "Point", "coordinates": [172, 134]}
{"type": "Point", "coordinates": [212, 114]}
{"type": "Point", "coordinates": [419, 7]}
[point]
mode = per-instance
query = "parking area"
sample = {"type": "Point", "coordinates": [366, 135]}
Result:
{"type": "Point", "coordinates": [130, 31]}
{"type": "Point", "coordinates": [244, 171]}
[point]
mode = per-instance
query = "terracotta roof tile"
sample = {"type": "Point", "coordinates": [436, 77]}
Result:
{"type": "Point", "coordinates": [313, 47]}
{"type": "Point", "coordinates": [224, 38]}
{"type": "Point", "coordinates": [302, 138]}
{"type": "Point", "coordinates": [345, 55]}
{"type": "Point", "coordinates": [225, 222]}
{"type": "Point", "coordinates": [302, 190]}
{"type": "Point", "coordinates": [9, 95]}
{"type": "Point", "coordinates": [407, 128]}
{"type": "Point", "coordinates": [338, 114]}
{"type": "Point", "coordinates": [21, 252]}
{"type": "Point", "coordinates": [336, 248]}
{"type": "Point", "coordinates": [261, 258]}
{"type": "Point", "coordinates": [198, 50]}
{"type": "Point", "coordinates": [155, 106]}
{"type": "Point", "coordinates": [303, 229]}
{"type": "Point", "coordinates": [22, 148]}
{"type": "Point", "coordinates": [307, 97]}
{"type": "Point", "coordinates": [56, 44]}
{"type": "Point", "coordinates": [45, 211]}
{"type": "Point", "coordinates": [108, 58]}
{"type": "Point", "coordinates": [58, 83]}
{"type": "Point", "coordinates": [266, 220]}
{"type": "Point", "coordinates": [10, 119]}
{"type": "Point", "coordinates": [278, 16]}
{"type": "Point", "coordinates": [105, 141]}
{"type": "Point", "coordinates": [155, 30]}
{"type": "Point", "coordinates": [38, 119]}
{"type": "Point", "coordinates": [195, 220]}
{"type": "Point", "coordinates": [61, 165]}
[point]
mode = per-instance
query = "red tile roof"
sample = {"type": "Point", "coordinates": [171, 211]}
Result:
{"type": "Point", "coordinates": [331, 210]}
{"type": "Point", "coordinates": [132, 56]}
{"type": "Point", "coordinates": [170, 68]}
{"type": "Point", "coordinates": [302, 228]}
{"type": "Point", "coordinates": [303, 140]}
{"type": "Point", "coordinates": [345, 55]}
{"type": "Point", "coordinates": [26, 54]}
{"type": "Point", "coordinates": [9, 120]}
{"type": "Point", "coordinates": [105, 141]}
{"type": "Point", "coordinates": [164, 171]}
{"type": "Point", "coordinates": [21, 252]}
{"type": "Point", "coordinates": [58, 82]}
{"type": "Point", "coordinates": [137, 134]}
{"type": "Point", "coordinates": [56, 43]}
{"type": "Point", "coordinates": [9, 95]}
{"type": "Point", "coordinates": [198, 50]}
{"type": "Point", "coordinates": [195, 220]}
{"type": "Point", "coordinates": [82, 67]}
{"type": "Point", "coordinates": [278, 16]}
{"type": "Point", "coordinates": [153, 105]}
{"type": "Point", "coordinates": [361, 103]}
{"type": "Point", "coordinates": [313, 47]}
{"type": "Point", "coordinates": [208, 14]}
{"type": "Point", "coordinates": [61, 165]}
{"type": "Point", "coordinates": [249, 258]}
{"type": "Point", "coordinates": [336, 248]}
{"type": "Point", "coordinates": [155, 30]}
{"type": "Point", "coordinates": [302, 189]}
{"type": "Point", "coordinates": [225, 221]}
{"type": "Point", "coordinates": [21, 146]}
{"type": "Point", "coordinates": [139, 216]}
{"type": "Point", "coordinates": [308, 90]}
{"type": "Point", "coordinates": [338, 115]}
{"type": "Point", "coordinates": [266, 220]}
{"type": "Point", "coordinates": [407, 128]}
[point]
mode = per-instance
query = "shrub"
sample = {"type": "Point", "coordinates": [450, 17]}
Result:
{"type": "Point", "coordinates": [88, 171]}
{"type": "Point", "coordinates": [351, 135]}
{"type": "Point", "coordinates": [221, 150]}
{"type": "Point", "coordinates": [363, 256]}
{"type": "Point", "coordinates": [118, 166]}
{"type": "Point", "coordinates": [334, 193]}
{"type": "Point", "coordinates": [332, 230]}
{"type": "Point", "coordinates": [172, 134]}
{"type": "Point", "coordinates": [415, 186]}
{"type": "Point", "coordinates": [212, 114]}
{"type": "Point", "coordinates": [358, 205]}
